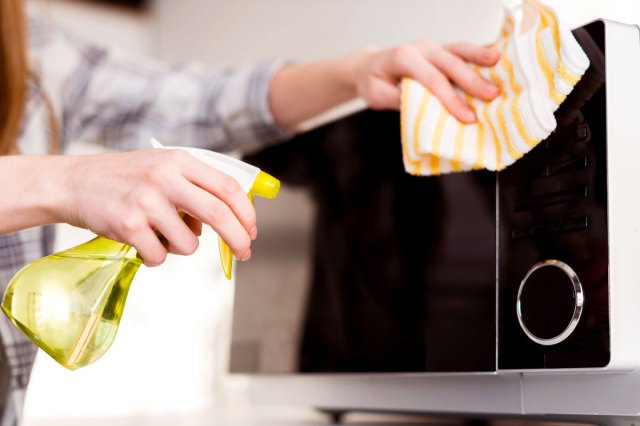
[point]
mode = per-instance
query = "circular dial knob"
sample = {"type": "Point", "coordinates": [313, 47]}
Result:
{"type": "Point", "coordinates": [550, 301]}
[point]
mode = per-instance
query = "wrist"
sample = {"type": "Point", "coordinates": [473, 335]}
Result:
{"type": "Point", "coordinates": [31, 191]}
{"type": "Point", "coordinates": [356, 68]}
{"type": "Point", "coordinates": [57, 188]}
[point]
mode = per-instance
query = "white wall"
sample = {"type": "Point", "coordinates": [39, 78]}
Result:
{"type": "Point", "coordinates": [234, 32]}
{"type": "Point", "coordinates": [223, 32]}
{"type": "Point", "coordinates": [117, 27]}
{"type": "Point", "coordinates": [578, 12]}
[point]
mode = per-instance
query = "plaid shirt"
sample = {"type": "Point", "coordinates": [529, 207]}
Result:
{"type": "Point", "coordinates": [104, 96]}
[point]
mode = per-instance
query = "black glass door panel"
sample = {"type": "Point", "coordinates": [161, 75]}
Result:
{"type": "Point", "coordinates": [403, 270]}
{"type": "Point", "coordinates": [553, 206]}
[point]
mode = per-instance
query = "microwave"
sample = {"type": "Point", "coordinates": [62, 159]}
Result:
{"type": "Point", "coordinates": [514, 293]}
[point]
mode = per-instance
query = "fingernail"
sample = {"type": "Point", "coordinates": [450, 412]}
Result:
{"type": "Point", "coordinates": [492, 90]}
{"type": "Point", "coordinates": [469, 116]}
{"type": "Point", "coordinates": [492, 55]}
{"type": "Point", "coordinates": [254, 233]}
{"type": "Point", "coordinates": [246, 256]}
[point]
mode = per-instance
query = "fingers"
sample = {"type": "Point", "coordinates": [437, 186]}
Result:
{"type": "Point", "coordinates": [146, 242]}
{"type": "Point", "coordinates": [143, 193]}
{"type": "Point", "coordinates": [226, 189]}
{"type": "Point", "coordinates": [194, 224]}
{"type": "Point", "coordinates": [481, 55]}
{"type": "Point", "coordinates": [216, 199]}
{"type": "Point", "coordinates": [155, 229]}
{"type": "Point", "coordinates": [220, 216]}
{"type": "Point", "coordinates": [212, 197]}
{"type": "Point", "coordinates": [180, 239]}
{"type": "Point", "coordinates": [443, 90]}
{"type": "Point", "coordinates": [179, 236]}
{"type": "Point", "coordinates": [462, 75]}
{"type": "Point", "coordinates": [415, 61]}
{"type": "Point", "coordinates": [437, 68]}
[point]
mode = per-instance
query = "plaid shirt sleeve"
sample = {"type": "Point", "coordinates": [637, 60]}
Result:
{"type": "Point", "coordinates": [106, 96]}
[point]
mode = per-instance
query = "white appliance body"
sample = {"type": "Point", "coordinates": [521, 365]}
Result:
{"type": "Point", "coordinates": [528, 381]}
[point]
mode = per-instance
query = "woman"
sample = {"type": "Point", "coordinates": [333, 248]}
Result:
{"type": "Point", "coordinates": [54, 88]}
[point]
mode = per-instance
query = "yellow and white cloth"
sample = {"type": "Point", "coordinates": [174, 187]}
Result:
{"type": "Point", "coordinates": [540, 63]}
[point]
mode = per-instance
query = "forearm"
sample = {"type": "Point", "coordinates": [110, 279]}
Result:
{"type": "Point", "coordinates": [30, 191]}
{"type": "Point", "coordinates": [300, 92]}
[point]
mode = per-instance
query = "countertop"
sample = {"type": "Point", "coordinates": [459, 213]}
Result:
{"type": "Point", "coordinates": [249, 416]}
{"type": "Point", "coordinates": [278, 416]}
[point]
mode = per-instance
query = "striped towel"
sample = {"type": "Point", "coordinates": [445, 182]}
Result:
{"type": "Point", "coordinates": [540, 63]}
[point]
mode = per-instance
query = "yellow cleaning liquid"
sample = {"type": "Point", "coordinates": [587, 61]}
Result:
{"type": "Point", "coordinates": [70, 303]}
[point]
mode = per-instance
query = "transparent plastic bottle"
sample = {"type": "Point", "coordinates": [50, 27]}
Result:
{"type": "Point", "coordinates": [70, 303]}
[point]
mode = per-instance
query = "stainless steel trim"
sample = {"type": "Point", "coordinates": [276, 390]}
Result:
{"type": "Point", "coordinates": [577, 309]}
{"type": "Point", "coordinates": [497, 271]}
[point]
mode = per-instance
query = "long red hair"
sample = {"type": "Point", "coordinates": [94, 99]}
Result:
{"type": "Point", "coordinates": [14, 72]}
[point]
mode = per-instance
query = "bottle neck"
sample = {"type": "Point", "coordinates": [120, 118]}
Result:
{"type": "Point", "coordinates": [104, 248]}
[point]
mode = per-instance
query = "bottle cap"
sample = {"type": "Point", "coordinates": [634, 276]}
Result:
{"type": "Point", "coordinates": [265, 186]}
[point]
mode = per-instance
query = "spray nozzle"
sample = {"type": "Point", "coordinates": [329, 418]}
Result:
{"type": "Point", "coordinates": [252, 180]}
{"type": "Point", "coordinates": [265, 186]}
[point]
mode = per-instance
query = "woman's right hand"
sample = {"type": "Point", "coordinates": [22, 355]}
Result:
{"type": "Point", "coordinates": [137, 197]}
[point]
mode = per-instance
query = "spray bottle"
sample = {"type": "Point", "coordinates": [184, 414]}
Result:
{"type": "Point", "coordinates": [70, 303]}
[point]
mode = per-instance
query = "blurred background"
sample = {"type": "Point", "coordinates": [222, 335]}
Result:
{"type": "Point", "coordinates": [171, 353]}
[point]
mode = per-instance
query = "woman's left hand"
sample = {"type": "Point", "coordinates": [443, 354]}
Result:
{"type": "Point", "coordinates": [299, 92]}
{"type": "Point", "coordinates": [437, 67]}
